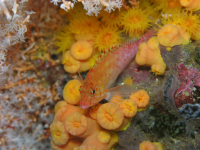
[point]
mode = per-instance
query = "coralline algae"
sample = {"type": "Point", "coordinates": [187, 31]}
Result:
{"type": "Point", "coordinates": [189, 77]}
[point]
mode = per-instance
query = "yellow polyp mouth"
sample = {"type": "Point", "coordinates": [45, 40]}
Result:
{"type": "Point", "coordinates": [58, 133]}
{"type": "Point", "coordinates": [80, 50]}
{"type": "Point", "coordinates": [188, 23]}
{"type": "Point", "coordinates": [172, 4]}
{"type": "Point", "coordinates": [77, 124]}
{"type": "Point", "coordinates": [109, 117]}
{"type": "Point", "coordinates": [71, 90]}
{"type": "Point", "coordinates": [68, 63]}
{"type": "Point", "coordinates": [107, 37]}
{"type": "Point", "coordinates": [166, 33]}
{"type": "Point", "coordinates": [128, 107]}
{"type": "Point", "coordinates": [186, 1]}
{"type": "Point", "coordinates": [135, 19]}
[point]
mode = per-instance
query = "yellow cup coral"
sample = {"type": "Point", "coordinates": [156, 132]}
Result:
{"type": "Point", "coordinates": [141, 98]}
{"type": "Point", "coordinates": [169, 35]}
{"type": "Point", "coordinates": [146, 145]}
{"type": "Point", "coordinates": [128, 107]}
{"type": "Point", "coordinates": [93, 111]}
{"type": "Point", "coordinates": [87, 147]}
{"type": "Point", "coordinates": [66, 110]}
{"type": "Point", "coordinates": [93, 143]}
{"type": "Point", "coordinates": [89, 63]}
{"type": "Point", "coordinates": [68, 146]}
{"type": "Point", "coordinates": [135, 21]}
{"type": "Point", "coordinates": [81, 50]}
{"type": "Point", "coordinates": [71, 93]}
{"type": "Point", "coordinates": [128, 80]}
{"type": "Point", "coordinates": [79, 125]}
{"type": "Point", "coordinates": [71, 65]}
{"type": "Point", "coordinates": [104, 137]}
{"type": "Point", "coordinates": [107, 37]}
{"type": "Point", "coordinates": [110, 116]}
{"type": "Point", "coordinates": [185, 35]}
{"type": "Point", "coordinates": [192, 5]}
{"type": "Point", "coordinates": [88, 37]}
{"type": "Point", "coordinates": [149, 54]}
{"type": "Point", "coordinates": [142, 54]}
{"type": "Point", "coordinates": [84, 24]}
{"type": "Point", "coordinates": [168, 6]}
{"type": "Point", "coordinates": [64, 40]}
{"type": "Point", "coordinates": [58, 133]}
{"type": "Point", "coordinates": [59, 105]}
{"type": "Point", "coordinates": [76, 124]}
{"type": "Point", "coordinates": [187, 20]}
{"type": "Point", "coordinates": [125, 124]}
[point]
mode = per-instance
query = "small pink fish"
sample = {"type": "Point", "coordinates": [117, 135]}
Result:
{"type": "Point", "coordinates": [103, 75]}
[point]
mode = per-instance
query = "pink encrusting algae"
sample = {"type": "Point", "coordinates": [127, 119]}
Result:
{"type": "Point", "coordinates": [103, 75]}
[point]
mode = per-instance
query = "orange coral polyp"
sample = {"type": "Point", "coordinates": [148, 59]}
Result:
{"type": "Point", "coordinates": [103, 137]}
{"type": "Point", "coordinates": [71, 65]}
{"type": "Point", "coordinates": [192, 5]}
{"type": "Point", "coordinates": [125, 124]}
{"type": "Point", "coordinates": [149, 54]}
{"type": "Point", "coordinates": [110, 116]}
{"type": "Point", "coordinates": [59, 105]}
{"type": "Point", "coordinates": [141, 98]}
{"type": "Point", "coordinates": [169, 35]}
{"type": "Point", "coordinates": [76, 124]}
{"type": "Point", "coordinates": [68, 146]}
{"type": "Point", "coordinates": [58, 133]}
{"type": "Point", "coordinates": [89, 63]}
{"type": "Point", "coordinates": [93, 111]}
{"type": "Point", "coordinates": [66, 111]}
{"type": "Point", "coordinates": [146, 145]}
{"type": "Point", "coordinates": [142, 54]}
{"type": "Point", "coordinates": [128, 107]}
{"type": "Point", "coordinates": [135, 21]}
{"type": "Point", "coordinates": [87, 147]}
{"type": "Point", "coordinates": [71, 93]}
{"type": "Point", "coordinates": [107, 37]}
{"type": "Point", "coordinates": [81, 50]}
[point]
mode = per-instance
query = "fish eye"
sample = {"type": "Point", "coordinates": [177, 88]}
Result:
{"type": "Point", "coordinates": [93, 91]}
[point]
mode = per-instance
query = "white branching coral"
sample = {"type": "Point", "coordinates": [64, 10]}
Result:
{"type": "Point", "coordinates": [12, 26]}
{"type": "Point", "coordinates": [92, 6]}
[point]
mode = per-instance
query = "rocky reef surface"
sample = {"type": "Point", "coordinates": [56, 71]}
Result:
{"type": "Point", "coordinates": [173, 114]}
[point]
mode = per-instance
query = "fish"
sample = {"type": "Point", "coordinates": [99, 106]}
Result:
{"type": "Point", "coordinates": [100, 79]}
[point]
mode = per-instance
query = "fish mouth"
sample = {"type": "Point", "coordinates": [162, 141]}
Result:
{"type": "Point", "coordinates": [84, 107]}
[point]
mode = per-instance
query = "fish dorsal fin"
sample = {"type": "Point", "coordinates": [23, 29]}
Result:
{"type": "Point", "coordinates": [122, 90]}
{"type": "Point", "coordinates": [79, 77]}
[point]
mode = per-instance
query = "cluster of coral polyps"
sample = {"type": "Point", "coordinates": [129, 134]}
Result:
{"type": "Point", "coordinates": [74, 128]}
{"type": "Point", "coordinates": [149, 54]}
{"type": "Point", "coordinates": [77, 128]}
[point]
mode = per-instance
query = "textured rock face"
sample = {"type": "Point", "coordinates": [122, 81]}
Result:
{"type": "Point", "coordinates": [189, 79]}
{"type": "Point", "coordinates": [174, 96]}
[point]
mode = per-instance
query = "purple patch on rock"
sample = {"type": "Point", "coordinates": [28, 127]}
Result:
{"type": "Point", "coordinates": [189, 77]}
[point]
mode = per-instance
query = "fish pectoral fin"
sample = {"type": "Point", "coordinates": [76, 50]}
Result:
{"type": "Point", "coordinates": [122, 90]}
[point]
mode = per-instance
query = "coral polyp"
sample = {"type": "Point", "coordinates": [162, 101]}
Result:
{"type": "Point", "coordinates": [135, 22]}
{"type": "Point", "coordinates": [84, 24]}
{"type": "Point", "coordinates": [106, 37]}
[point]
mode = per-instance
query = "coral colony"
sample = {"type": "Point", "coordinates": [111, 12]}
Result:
{"type": "Point", "coordinates": [99, 74]}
